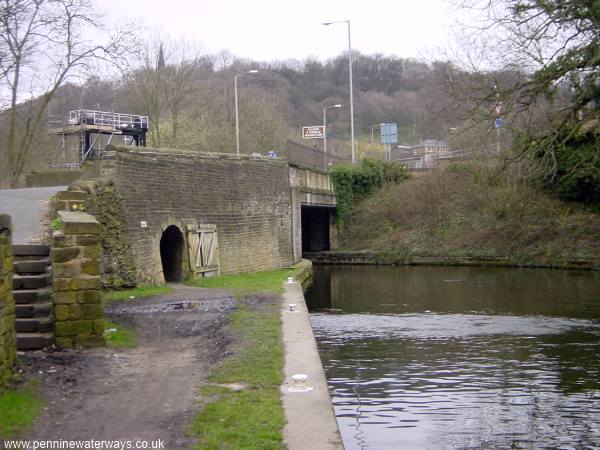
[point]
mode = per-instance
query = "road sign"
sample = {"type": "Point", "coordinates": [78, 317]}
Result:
{"type": "Point", "coordinates": [389, 133]}
{"type": "Point", "coordinates": [314, 132]}
{"type": "Point", "coordinates": [499, 122]}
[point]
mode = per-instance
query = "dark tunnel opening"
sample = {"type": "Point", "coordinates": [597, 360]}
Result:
{"type": "Point", "coordinates": [315, 228]}
{"type": "Point", "coordinates": [171, 254]}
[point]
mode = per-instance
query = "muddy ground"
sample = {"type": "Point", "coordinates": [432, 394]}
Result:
{"type": "Point", "coordinates": [146, 393]}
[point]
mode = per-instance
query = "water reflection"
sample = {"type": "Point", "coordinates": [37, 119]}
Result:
{"type": "Point", "coordinates": [435, 358]}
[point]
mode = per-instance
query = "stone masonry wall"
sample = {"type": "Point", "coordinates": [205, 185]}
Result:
{"type": "Point", "coordinates": [8, 340]}
{"type": "Point", "coordinates": [76, 255]}
{"type": "Point", "coordinates": [103, 200]}
{"type": "Point", "coordinates": [249, 200]}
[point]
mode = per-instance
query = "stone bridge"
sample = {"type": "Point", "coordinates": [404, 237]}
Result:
{"type": "Point", "coordinates": [190, 214]}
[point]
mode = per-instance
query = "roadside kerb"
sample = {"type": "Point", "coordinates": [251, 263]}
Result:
{"type": "Point", "coordinates": [309, 415]}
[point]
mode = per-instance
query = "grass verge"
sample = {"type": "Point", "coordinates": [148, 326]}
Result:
{"type": "Point", "coordinates": [18, 410]}
{"type": "Point", "coordinates": [253, 416]}
{"type": "Point", "coordinates": [245, 284]}
{"type": "Point", "coordinates": [119, 336]}
{"type": "Point", "coordinates": [139, 292]}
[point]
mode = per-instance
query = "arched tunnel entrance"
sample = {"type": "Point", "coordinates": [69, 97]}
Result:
{"type": "Point", "coordinates": [315, 228]}
{"type": "Point", "coordinates": [171, 253]}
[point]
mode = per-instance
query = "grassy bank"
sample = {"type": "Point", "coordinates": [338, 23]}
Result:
{"type": "Point", "coordinates": [471, 211]}
{"type": "Point", "coordinates": [245, 284]}
{"type": "Point", "coordinates": [18, 410]}
{"type": "Point", "coordinates": [243, 409]}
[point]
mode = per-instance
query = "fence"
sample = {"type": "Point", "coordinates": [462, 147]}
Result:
{"type": "Point", "coordinates": [432, 160]}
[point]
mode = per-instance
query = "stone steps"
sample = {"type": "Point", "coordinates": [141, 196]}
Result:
{"type": "Point", "coordinates": [34, 325]}
{"type": "Point", "coordinates": [30, 281]}
{"type": "Point", "coordinates": [27, 296]}
{"type": "Point", "coordinates": [33, 296]}
{"type": "Point", "coordinates": [35, 310]}
{"type": "Point", "coordinates": [29, 250]}
{"type": "Point", "coordinates": [35, 266]}
{"type": "Point", "coordinates": [34, 341]}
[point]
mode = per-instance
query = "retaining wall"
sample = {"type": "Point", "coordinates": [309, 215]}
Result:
{"type": "Point", "coordinates": [8, 340]}
{"type": "Point", "coordinates": [248, 199]}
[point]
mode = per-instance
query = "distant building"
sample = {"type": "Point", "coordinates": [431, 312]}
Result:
{"type": "Point", "coordinates": [422, 155]}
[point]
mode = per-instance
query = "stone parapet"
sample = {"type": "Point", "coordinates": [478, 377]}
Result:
{"type": "Point", "coordinates": [76, 256]}
{"type": "Point", "coordinates": [8, 341]}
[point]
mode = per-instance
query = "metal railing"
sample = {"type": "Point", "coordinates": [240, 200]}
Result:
{"type": "Point", "coordinates": [431, 160]}
{"type": "Point", "coordinates": [117, 121]}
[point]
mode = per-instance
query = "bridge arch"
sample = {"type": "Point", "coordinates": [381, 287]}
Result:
{"type": "Point", "coordinates": [172, 248]}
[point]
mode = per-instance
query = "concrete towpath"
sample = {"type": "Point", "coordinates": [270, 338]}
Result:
{"type": "Point", "coordinates": [310, 418]}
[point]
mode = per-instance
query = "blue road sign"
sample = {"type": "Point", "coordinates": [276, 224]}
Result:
{"type": "Point", "coordinates": [499, 122]}
{"type": "Point", "coordinates": [389, 133]}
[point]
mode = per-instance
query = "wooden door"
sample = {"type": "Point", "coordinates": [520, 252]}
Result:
{"type": "Point", "coordinates": [203, 247]}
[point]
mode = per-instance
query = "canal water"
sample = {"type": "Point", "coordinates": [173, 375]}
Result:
{"type": "Point", "coordinates": [460, 357]}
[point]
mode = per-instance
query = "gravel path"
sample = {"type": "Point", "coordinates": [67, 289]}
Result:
{"type": "Point", "coordinates": [146, 393]}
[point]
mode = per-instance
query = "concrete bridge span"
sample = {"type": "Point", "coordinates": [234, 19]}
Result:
{"type": "Point", "coordinates": [190, 214]}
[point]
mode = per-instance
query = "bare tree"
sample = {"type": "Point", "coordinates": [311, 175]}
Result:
{"type": "Point", "coordinates": [542, 65]}
{"type": "Point", "coordinates": [43, 44]}
{"type": "Point", "coordinates": [163, 86]}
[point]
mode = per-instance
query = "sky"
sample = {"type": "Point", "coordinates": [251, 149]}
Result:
{"type": "Point", "coordinates": [268, 30]}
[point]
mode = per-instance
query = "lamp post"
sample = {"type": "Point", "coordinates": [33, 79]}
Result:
{"type": "Point", "coordinates": [350, 74]}
{"type": "Point", "coordinates": [237, 119]}
{"type": "Point", "coordinates": [373, 132]}
{"type": "Point", "coordinates": [325, 130]}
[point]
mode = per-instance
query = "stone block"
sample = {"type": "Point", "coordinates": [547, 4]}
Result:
{"type": "Point", "coordinates": [65, 297]}
{"type": "Point", "coordinates": [84, 282]}
{"type": "Point", "coordinates": [61, 313]}
{"type": "Point", "coordinates": [59, 240]}
{"type": "Point", "coordinates": [99, 327]}
{"type": "Point", "coordinates": [72, 195]}
{"type": "Point", "coordinates": [93, 252]}
{"type": "Point", "coordinates": [74, 328]}
{"type": "Point", "coordinates": [76, 312]}
{"type": "Point", "coordinates": [87, 239]}
{"type": "Point", "coordinates": [89, 296]}
{"type": "Point", "coordinates": [67, 269]}
{"type": "Point", "coordinates": [64, 342]}
{"type": "Point", "coordinates": [92, 311]}
{"type": "Point", "coordinates": [61, 255]}
{"type": "Point", "coordinates": [60, 284]}
{"type": "Point", "coordinates": [90, 267]}
{"type": "Point", "coordinates": [60, 205]}
{"type": "Point", "coordinates": [81, 227]}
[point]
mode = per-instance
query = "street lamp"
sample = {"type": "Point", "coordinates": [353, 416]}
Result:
{"type": "Point", "coordinates": [350, 72]}
{"type": "Point", "coordinates": [237, 119]}
{"type": "Point", "coordinates": [373, 132]}
{"type": "Point", "coordinates": [325, 130]}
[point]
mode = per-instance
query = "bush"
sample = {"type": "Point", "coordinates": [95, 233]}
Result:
{"type": "Point", "coordinates": [571, 159]}
{"type": "Point", "coordinates": [351, 183]}
{"type": "Point", "coordinates": [475, 210]}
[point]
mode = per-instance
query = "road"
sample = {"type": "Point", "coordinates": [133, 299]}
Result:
{"type": "Point", "coordinates": [25, 206]}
